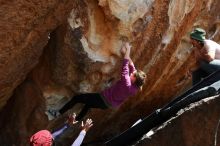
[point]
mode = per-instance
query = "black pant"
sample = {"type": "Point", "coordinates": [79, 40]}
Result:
{"type": "Point", "coordinates": [91, 100]}
{"type": "Point", "coordinates": [205, 69]}
{"type": "Point", "coordinates": [198, 75]}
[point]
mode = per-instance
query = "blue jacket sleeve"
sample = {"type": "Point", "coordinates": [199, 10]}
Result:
{"type": "Point", "coordinates": [57, 133]}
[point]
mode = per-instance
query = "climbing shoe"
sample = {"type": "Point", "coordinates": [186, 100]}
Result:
{"type": "Point", "coordinates": [52, 114]}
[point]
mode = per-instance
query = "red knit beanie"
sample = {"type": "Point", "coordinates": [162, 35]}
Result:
{"type": "Point", "coordinates": [41, 138]}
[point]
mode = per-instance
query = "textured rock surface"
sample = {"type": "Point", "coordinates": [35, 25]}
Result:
{"type": "Point", "coordinates": [60, 48]}
{"type": "Point", "coordinates": [23, 115]}
{"type": "Point", "coordinates": [194, 126]}
{"type": "Point", "coordinates": [25, 28]}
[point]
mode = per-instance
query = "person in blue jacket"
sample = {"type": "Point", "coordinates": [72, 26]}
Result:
{"type": "Point", "coordinates": [45, 138]}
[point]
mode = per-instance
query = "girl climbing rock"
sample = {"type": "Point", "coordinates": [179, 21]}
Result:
{"type": "Point", "coordinates": [130, 83]}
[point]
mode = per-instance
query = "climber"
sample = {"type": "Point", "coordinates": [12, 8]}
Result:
{"type": "Point", "coordinates": [207, 54]}
{"type": "Point", "coordinates": [45, 138]}
{"type": "Point", "coordinates": [131, 81]}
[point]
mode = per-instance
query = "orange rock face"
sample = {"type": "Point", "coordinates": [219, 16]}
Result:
{"type": "Point", "coordinates": [57, 49]}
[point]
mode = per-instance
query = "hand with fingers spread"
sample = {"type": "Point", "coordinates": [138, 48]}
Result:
{"type": "Point", "coordinates": [72, 119]}
{"type": "Point", "coordinates": [87, 125]}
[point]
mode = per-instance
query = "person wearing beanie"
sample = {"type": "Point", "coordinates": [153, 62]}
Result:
{"type": "Point", "coordinates": [207, 54]}
{"type": "Point", "coordinates": [45, 138]}
{"type": "Point", "coordinates": [41, 138]}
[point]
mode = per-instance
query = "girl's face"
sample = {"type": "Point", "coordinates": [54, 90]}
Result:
{"type": "Point", "coordinates": [132, 77]}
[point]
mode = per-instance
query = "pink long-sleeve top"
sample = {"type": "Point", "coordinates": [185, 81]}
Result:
{"type": "Point", "coordinates": [122, 89]}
